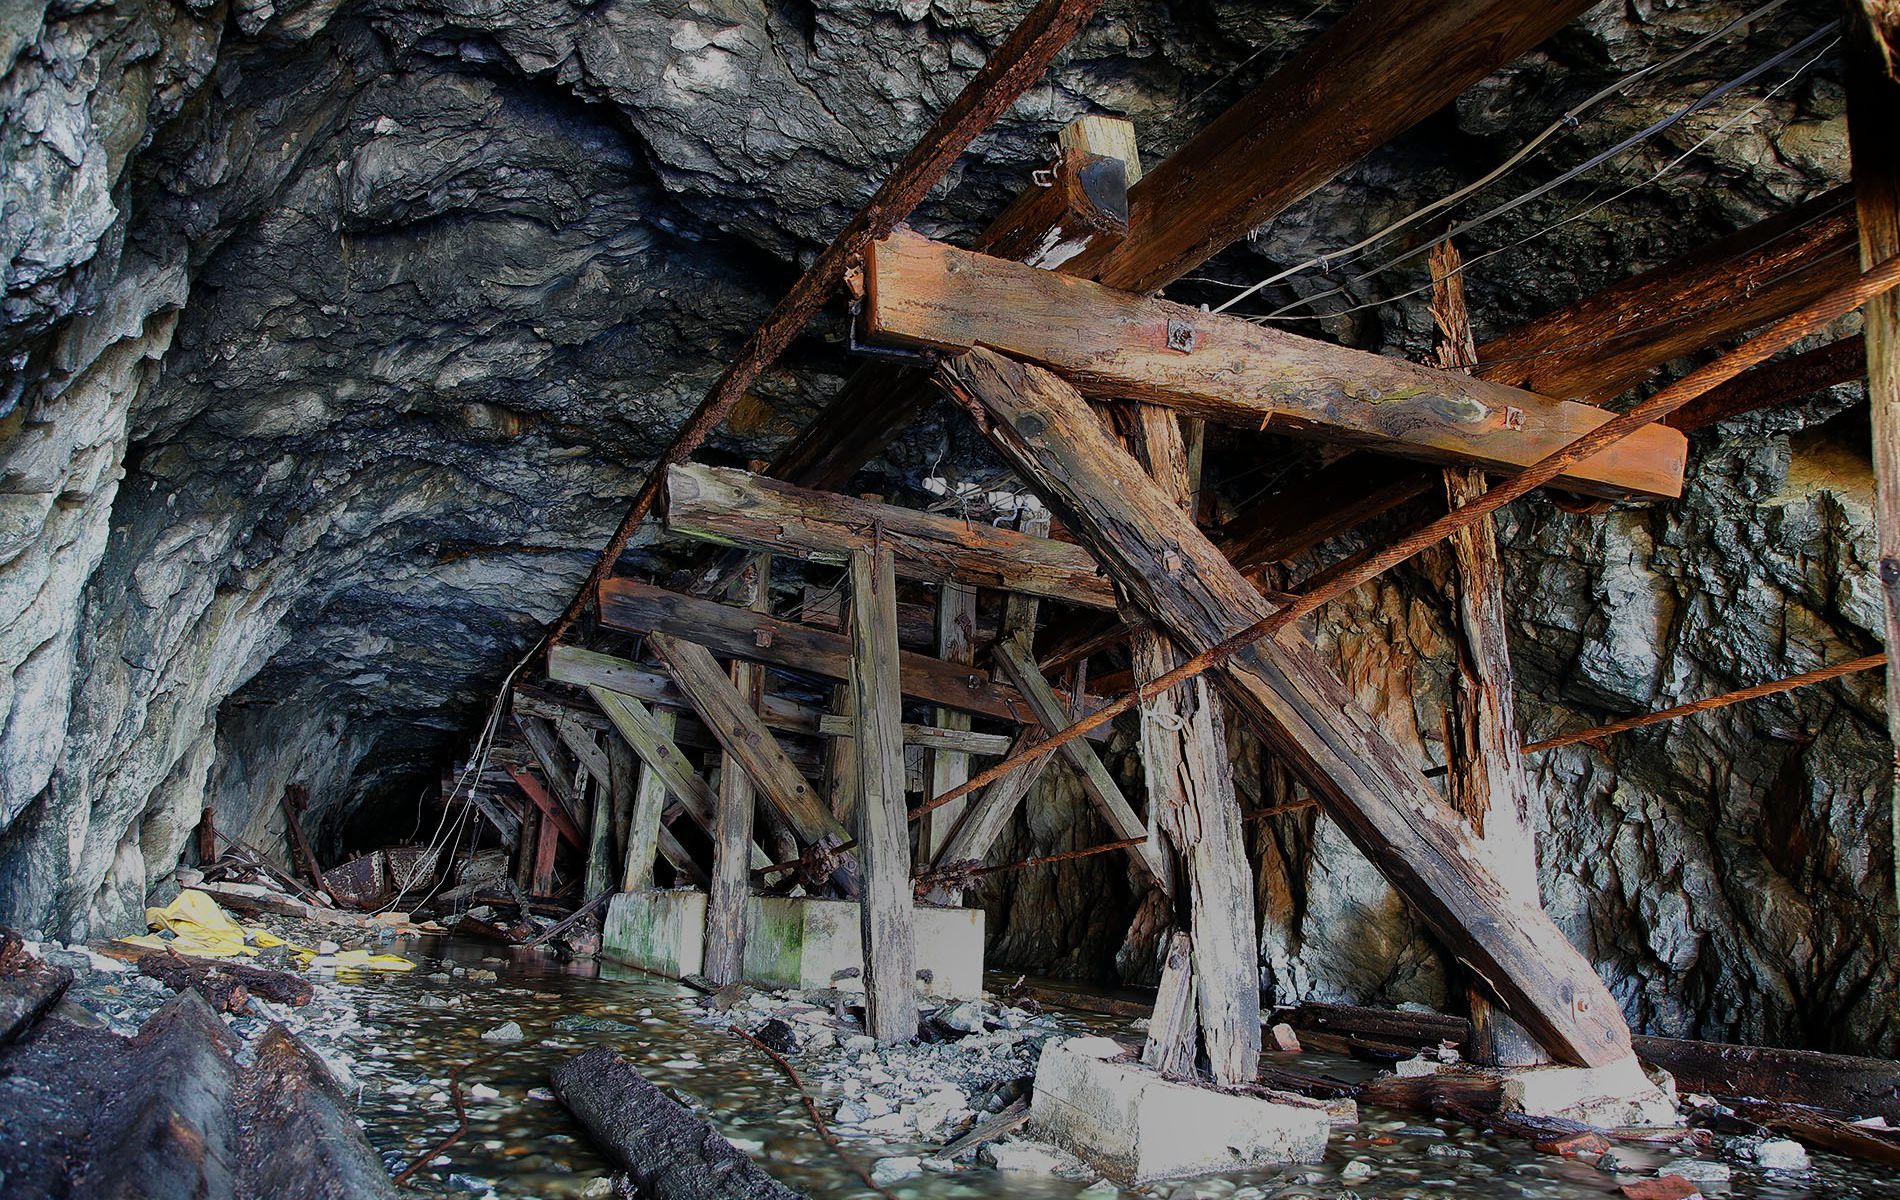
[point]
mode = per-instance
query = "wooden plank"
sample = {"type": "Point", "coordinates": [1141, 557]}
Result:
{"type": "Point", "coordinates": [555, 767]}
{"type": "Point", "coordinates": [1008, 73]}
{"type": "Point", "coordinates": [744, 737]}
{"type": "Point", "coordinates": [654, 745]}
{"type": "Point", "coordinates": [1191, 802]}
{"type": "Point", "coordinates": [1173, 1030]}
{"type": "Point", "coordinates": [890, 956]}
{"type": "Point", "coordinates": [1302, 709]}
{"type": "Point", "coordinates": [1607, 343]}
{"type": "Point", "coordinates": [724, 957]}
{"type": "Point", "coordinates": [1226, 369]}
{"type": "Point", "coordinates": [948, 767]}
{"type": "Point", "coordinates": [642, 608]}
{"type": "Point", "coordinates": [1776, 382]}
{"type": "Point", "coordinates": [648, 802]}
{"type": "Point", "coordinates": [550, 810]}
{"type": "Point", "coordinates": [1873, 99]}
{"type": "Point", "coordinates": [1014, 659]}
{"type": "Point", "coordinates": [735, 508]}
{"type": "Point", "coordinates": [600, 839]}
{"type": "Point", "coordinates": [1486, 780]}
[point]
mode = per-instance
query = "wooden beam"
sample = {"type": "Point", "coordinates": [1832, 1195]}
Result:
{"type": "Point", "coordinates": [1015, 661]}
{"type": "Point", "coordinates": [655, 747]}
{"type": "Point", "coordinates": [745, 738]}
{"type": "Point", "coordinates": [1173, 1030]}
{"type": "Point", "coordinates": [643, 823]}
{"type": "Point", "coordinates": [1336, 499]}
{"type": "Point", "coordinates": [1382, 67]}
{"type": "Point", "coordinates": [1083, 211]}
{"type": "Point", "coordinates": [1487, 782]}
{"type": "Point", "coordinates": [956, 622]}
{"type": "Point", "coordinates": [1015, 66]}
{"type": "Point", "coordinates": [734, 508]}
{"type": "Point", "coordinates": [1121, 345]}
{"type": "Point", "coordinates": [732, 838]}
{"type": "Point", "coordinates": [1872, 56]}
{"type": "Point", "coordinates": [1302, 709]}
{"type": "Point", "coordinates": [555, 768]}
{"type": "Point", "coordinates": [1776, 382]}
{"type": "Point", "coordinates": [890, 956]}
{"type": "Point", "coordinates": [547, 846]}
{"type": "Point", "coordinates": [642, 608]}
{"type": "Point", "coordinates": [1607, 343]}
{"type": "Point", "coordinates": [550, 811]}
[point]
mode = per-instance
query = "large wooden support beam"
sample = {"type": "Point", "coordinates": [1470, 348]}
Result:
{"type": "Point", "coordinates": [585, 668]}
{"type": "Point", "coordinates": [1776, 382]}
{"type": "Point", "coordinates": [1383, 67]}
{"type": "Point", "coordinates": [956, 621]}
{"type": "Point", "coordinates": [1020, 666]}
{"type": "Point", "coordinates": [1298, 704]}
{"type": "Point", "coordinates": [719, 504]}
{"type": "Point", "coordinates": [735, 633]}
{"type": "Point", "coordinates": [551, 811]}
{"type": "Point", "coordinates": [1607, 343]}
{"type": "Point", "coordinates": [1226, 369]}
{"type": "Point", "coordinates": [555, 766]}
{"type": "Point", "coordinates": [1873, 100]}
{"type": "Point", "coordinates": [890, 952]}
{"type": "Point", "coordinates": [744, 737]}
{"type": "Point", "coordinates": [653, 743]}
{"type": "Point", "coordinates": [732, 839]}
{"type": "Point", "coordinates": [1082, 212]}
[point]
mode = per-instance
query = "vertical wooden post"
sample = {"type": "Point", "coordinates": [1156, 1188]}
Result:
{"type": "Point", "coordinates": [1485, 780]}
{"type": "Point", "coordinates": [732, 827]}
{"type": "Point", "coordinates": [1873, 101]}
{"type": "Point", "coordinates": [546, 844]}
{"type": "Point", "coordinates": [1172, 1030]}
{"type": "Point", "coordinates": [649, 803]}
{"type": "Point", "coordinates": [600, 840]}
{"type": "Point", "coordinates": [623, 783]}
{"type": "Point", "coordinates": [841, 762]}
{"type": "Point", "coordinates": [531, 820]}
{"type": "Point", "coordinates": [207, 837]}
{"type": "Point", "coordinates": [956, 629]}
{"type": "Point", "coordinates": [890, 967]}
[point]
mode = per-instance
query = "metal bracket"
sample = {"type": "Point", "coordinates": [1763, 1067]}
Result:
{"type": "Point", "coordinates": [915, 358]}
{"type": "Point", "coordinates": [1181, 336]}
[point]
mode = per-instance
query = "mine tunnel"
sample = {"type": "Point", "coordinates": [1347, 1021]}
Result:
{"type": "Point", "coordinates": [939, 599]}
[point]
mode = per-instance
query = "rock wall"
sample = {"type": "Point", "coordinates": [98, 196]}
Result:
{"type": "Point", "coordinates": [337, 331]}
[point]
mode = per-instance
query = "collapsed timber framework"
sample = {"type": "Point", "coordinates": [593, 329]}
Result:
{"type": "Point", "coordinates": [1047, 332]}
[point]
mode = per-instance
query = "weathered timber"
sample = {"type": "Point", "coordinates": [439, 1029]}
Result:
{"type": "Point", "coordinates": [1605, 344]}
{"type": "Point", "coordinates": [215, 980]}
{"type": "Point", "coordinates": [563, 825]}
{"type": "Point", "coordinates": [581, 744]}
{"type": "Point", "coordinates": [890, 954]}
{"type": "Point", "coordinates": [1100, 787]}
{"type": "Point", "coordinates": [1008, 73]}
{"type": "Point", "coordinates": [1191, 801]}
{"type": "Point", "coordinates": [735, 508]}
{"type": "Point", "coordinates": [28, 987]}
{"type": "Point", "coordinates": [734, 632]}
{"type": "Point", "coordinates": [1487, 782]}
{"type": "Point", "coordinates": [670, 1151]}
{"type": "Point", "coordinates": [556, 766]}
{"type": "Point", "coordinates": [987, 1130]}
{"type": "Point", "coordinates": [654, 745]}
{"type": "Point", "coordinates": [295, 799]}
{"type": "Point", "coordinates": [746, 739]}
{"type": "Point", "coordinates": [1173, 1029]}
{"type": "Point", "coordinates": [1303, 710]}
{"type": "Point", "coordinates": [300, 1137]}
{"type": "Point", "coordinates": [1083, 211]}
{"type": "Point", "coordinates": [1777, 382]}
{"type": "Point", "coordinates": [547, 847]}
{"type": "Point", "coordinates": [1230, 370]}
{"type": "Point", "coordinates": [1872, 56]}
{"type": "Point", "coordinates": [732, 825]}
{"type": "Point", "coordinates": [623, 784]}
{"type": "Point", "coordinates": [584, 668]}
{"type": "Point", "coordinates": [956, 623]}
{"type": "Point", "coordinates": [1381, 68]}
{"type": "Point", "coordinates": [600, 840]}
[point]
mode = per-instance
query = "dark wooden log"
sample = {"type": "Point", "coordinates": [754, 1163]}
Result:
{"type": "Point", "coordinates": [300, 1139]}
{"type": "Point", "coordinates": [733, 632]}
{"type": "Point", "coordinates": [732, 834]}
{"type": "Point", "coordinates": [890, 940]}
{"type": "Point", "coordinates": [1016, 65]}
{"type": "Point", "coordinates": [1605, 344]}
{"type": "Point", "coordinates": [1872, 52]}
{"type": "Point", "coordinates": [1226, 369]}
{"type": "Point", "coordinates": [28, 987]}
{"type": "Point", "coordinates": [1082, 212]}
{"type": "Point", "coordinates": [225, 985]}
{"type": "Point", "coordinates": [1299, 705]}
{"type": "Point", "coordinates": [948, 767]}
{"type": "Point", "coordinates": [1777, 382]}
{"type": "Point", "coordinates": [670, 1151]}
{"type": "Point", "coordinates": [1335, 499]}
{"type": "Point", "coordinates": [736, 508]}
{"type": "Point", "coordinates": [1381, 68]}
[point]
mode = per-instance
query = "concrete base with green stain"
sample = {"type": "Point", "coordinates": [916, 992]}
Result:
{"type": "Point", "coordinates": [792, 943]}
{"type": "Point", "coordinates": [662, 931]}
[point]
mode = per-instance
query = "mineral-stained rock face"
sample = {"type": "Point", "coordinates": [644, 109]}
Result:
{"type": "Point", "coordinates": [337, 333]}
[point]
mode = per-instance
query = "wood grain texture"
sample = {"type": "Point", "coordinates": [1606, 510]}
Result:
{"type": "Point", "coordinates": [1174, 1028]}
{"type": "Point", "coordinates": [649, 803]}
{"type": "Point", "coordinates": [1302, 709]}
{"type": "Point", "coordinates": [890, 953]}
{"type": "Point", "coordinates": [947, 768]}
{"type": "Point", "coordinates": [1777, 382]}
{"type": "Point", "coordinates": [1116, 344]}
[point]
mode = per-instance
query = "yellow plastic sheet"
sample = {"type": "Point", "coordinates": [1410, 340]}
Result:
{"type": "Point", "coordinates": [198, 927]}
{"type": "Point", "coordinates": [363, 960]}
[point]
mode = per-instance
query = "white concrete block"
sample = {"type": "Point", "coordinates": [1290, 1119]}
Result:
{"type": "Point", "coordinates": [1618, 1093]}
{"type": "Point", "coordinates": [662, 931]}
{"type": "Point", "coordinates": [1136, 1127]}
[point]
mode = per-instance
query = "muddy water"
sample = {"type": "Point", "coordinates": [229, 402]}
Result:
{"type": "Point", "coordinates": [521, 1143]}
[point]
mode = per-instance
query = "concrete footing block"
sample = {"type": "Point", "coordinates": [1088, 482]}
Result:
{"type": "Point", "coordinates": [1619, 1093]}
{"type": "Point", "coordinates": [663, 931]}
{"type": "Point", "coordinates": [1136, 1127]}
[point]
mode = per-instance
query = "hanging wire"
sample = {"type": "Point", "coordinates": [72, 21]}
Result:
{"type": "Point", "coordinates": [1570, 119]}
{"type": "Point", "coordinates": [1282, 313]}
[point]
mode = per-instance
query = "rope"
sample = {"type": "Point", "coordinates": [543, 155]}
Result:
{"type": "Point", "coordinates": [1778, 337]}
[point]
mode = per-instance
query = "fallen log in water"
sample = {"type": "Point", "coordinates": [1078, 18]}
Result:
{"type": "Point", "coordinates": [300, 1140]}
{"type": "Point", "coordinates": [28, 987]}
{"type": "Point", "coordinates": [671, 1152]}
{"type": "Point", "coordinates": [210, 978]}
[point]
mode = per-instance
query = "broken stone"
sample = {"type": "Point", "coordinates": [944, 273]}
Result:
{"type": "Point", "coordinates": [1782, 1154]}
{"type": "Point", "coordinates": [506, 1032]}
{"type": "Point", "coordinates": [887, 1171]}
{"type": "Point", "coordinates": [1666, 1187]}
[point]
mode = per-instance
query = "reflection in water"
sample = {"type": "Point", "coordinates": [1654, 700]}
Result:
{"type": "Point", "coordinates": [418, 1027]}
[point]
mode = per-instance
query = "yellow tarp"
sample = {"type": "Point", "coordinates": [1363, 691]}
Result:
{"type": "Point", "coordinates": [199, 927]}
